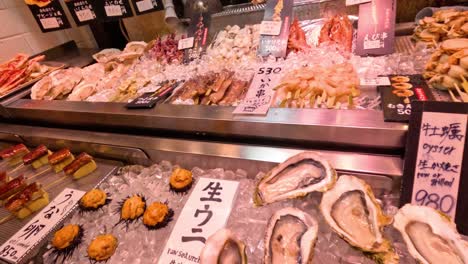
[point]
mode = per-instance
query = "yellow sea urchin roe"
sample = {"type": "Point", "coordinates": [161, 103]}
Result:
{"type": "Point", "coordinates": [155, 214]}
{"type": "Point", "coordinates": [102, 247]}
{"type": "Point", "coordinates": [94, 199]}
{"type": "Point", "coordinates": [133, 207]}
{"type": "Point", "coordinates": [65, 236]}
{"type": "Point", "coordinates": [180, 178]}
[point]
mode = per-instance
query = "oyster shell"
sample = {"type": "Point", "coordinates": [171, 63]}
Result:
{"type": "Point", "coordinates": [430, 236]}
{"type": "Point", "coordinates": [352, 211]}
{"type": "Point", "coordinates": [297, 176]}
{"type": "Point", "coordinates": [223, 248]}
{"type": "Point", "coordinates": [291, 237]}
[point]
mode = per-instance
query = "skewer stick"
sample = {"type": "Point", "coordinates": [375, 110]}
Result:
{"type": "Point", "coordinates": [40, 173]}
{"type": "Point", "coordinates": [58, 181]}
{"type": "Point", "coordinates": [17, 168]}
{"type": "Point", "coordinates": [6, 219]}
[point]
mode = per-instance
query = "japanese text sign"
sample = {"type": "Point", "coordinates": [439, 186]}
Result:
{"type": "Point", "coordinates": [260, 93]}
{"type": "Point", "coordinates": [206, 211]}
{"type": "Point", "coordinates": [82, 11]}
{"type": "Point", "coordinates": [436, 164]}
{"type": "Point", "coordinates": [35, 230]}
{"type": "Point", "coordinates": [147, 6]}
{"type": "Point", "coordinates": [113, 9]}
{"type": "Point", "coordinates": [376, 28]}
{"type": "Point", "coordinates": [50, 17]}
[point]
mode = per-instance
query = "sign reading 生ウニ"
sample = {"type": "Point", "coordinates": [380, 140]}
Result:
{"type": "Point", "coordinates": [33, 232]}
{"type": "Point", "coordinates": [260, 93]}
{"type": "Point", "coordinates": [206, 211]}
{"type": "Point", "coordinates": [49, 16]}
{"type": "Point", "coordinates": [113, 9]}
{"type": "Point", "coordinates": [436, 164]}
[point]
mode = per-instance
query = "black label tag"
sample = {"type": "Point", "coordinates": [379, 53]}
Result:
{"type": "Point", "coordinates": [147, 6]}
{"type": "Point", "coordinates": [198, 29]}
{"type": "Point", "coordinates": [50, 17]}
{"type": "Point", "coordinates": [149, 100]}
{"type": "Point", "coordinates": [397, 98]}
{"type": "Point", "coordinates": [113, 9]}
{"type": "Point", "coordinates": [436, 159]}
{"type": "Point", "coordinates": [82, 11]}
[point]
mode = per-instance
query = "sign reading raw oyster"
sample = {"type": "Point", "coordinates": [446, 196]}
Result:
{"type": "Point", "coordinates": [276, 44]}
{"type": "Point", "coordinates": [49, 17]}
{"type": "Point", "coordinates": [436, 163]}
{"type": "Point", "coordinates": [82, 11]}
{"type": "Point", "coordinates": [206, 211]}
{"type": "Point", "coordinates": [33, 232]}
{"type": "Point", "coordinates": [260, 93]}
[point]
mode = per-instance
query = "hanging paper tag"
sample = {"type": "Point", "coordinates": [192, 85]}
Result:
{"type": "Point", "coordinates": [186, 43]}
{"type": "Point", "coordinates": [271, 28]}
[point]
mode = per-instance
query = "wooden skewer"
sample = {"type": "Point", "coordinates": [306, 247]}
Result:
{"type": "Point", "coordinates": [6, 219]}
{"type": "Point", "coordinates": [40, 173]}
{"type": "Point", "coordinates": [17, 168]}
{"type": "Point", "coordinates": [58, 181]}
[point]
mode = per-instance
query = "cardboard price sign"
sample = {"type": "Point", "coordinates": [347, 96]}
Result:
{"type": "Point", "coordinates": [275, 28]}
{"type": "Point", "coordinates": [82, 11]}
{"type": "Point", "coordinates": [206, 211]}
{"type": "Point", "coordinates": [50, 17]}
{"type": "Point", "coordinates": [147, 6]}
{"type": "Point", "coordinates": [436, 163]}
{"type": "Point", "coordinates": [19, 245]}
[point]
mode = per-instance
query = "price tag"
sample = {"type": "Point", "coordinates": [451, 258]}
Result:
{"type": "Point", "coordinates": [48, 23]}
{"type": "Point", "coordinates": [144, 5]}
{"type": "Point", "coordinates": [186, 43]}
{"type": "Point", "coordinates": [436, 160]}
{"type": "Point", "coordinates": [206, 211]}
{"type": "Point", "coordinates": [33, 232]}
{"type": "Point", "coordinates": [113, 10]}
{"type": "Point", "coordinates": [84, 15]}
{"type": "Point", "coordinates": [377, 81]}
{"type": "Point", "coordinates": [260, 93]}
{"type": "Point", "coordinates": [373, 44]}
{"type": "Point", "coordinates": [270, 28]}
{"type": "Point", "coordinates": [356, 2]}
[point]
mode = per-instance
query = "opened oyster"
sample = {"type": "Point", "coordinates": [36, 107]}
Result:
{"type": "Point", "coordinates": [223, 248]}
{"type": "Point", "coordinates": [430, 236]}
{"type": "Point", "coordinates": [291, 237]}
{"type": "Point", "coordinates": [352, 211]}
{"type": "Point", "coordinates": [297, 176]}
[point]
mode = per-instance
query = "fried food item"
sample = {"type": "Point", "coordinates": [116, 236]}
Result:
{"type": "Point", "coordinates": [66, 236]}
{"type": "Point", "coordinates": [133, 208]}
{"type": "Point", "coordinates": [82, 166]}
{"type": "Point", "coordinates": [181, 180]}
{"type": "Point", "coordinates": [60, 159]}
{"type": "Point", "coordinates": [102, 247]}
{"type": "Point", "coordinates": [400, 79]}
{"type": "Point", "coordinates": [402, 86]}
{"type": "Point", "coordinates": [157, 215]}
{"type": "Point", "coordinates": [93, 199]}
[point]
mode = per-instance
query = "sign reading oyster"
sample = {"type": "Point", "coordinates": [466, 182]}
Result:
{"type": "Point", "coordinates": [291, 237]}
{"type": "Point", "coordinates": [430, 236]}
{"type": "Point", "coordinates": [296, 177]}
{"type": "Point", "coordinates": [352, 211]}
{"type": "Point", "coordinates": [223, 248]}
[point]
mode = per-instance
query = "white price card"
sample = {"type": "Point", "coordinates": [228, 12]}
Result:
{"type": "Point", "coordinates": [84, 15]}
{"type": "Point", "coordinates": [206, 211]}
{"type": "Point", "coordinates": [35, 230]}
{"type": "Point", "coordinates": [372, 44]}
{"type": "Point", "coordinates": [144, 5]}
{"type": "Point", "coordinates": [50, 22]}
{"type": "Point", "coordinates": [377, 81]}
{"type": "Point", "coordinates": [113, 10]}
{"type": "Point", "coordinates": [260, 94]}
{"type": "Point", "coordinates": [270, 28]}
{"type": "Point", "coordinates": [439, 161]}
{"type": "Point", "coordinates": [356, 2]}
{"type": "Point", "coordinates": [186, 43]}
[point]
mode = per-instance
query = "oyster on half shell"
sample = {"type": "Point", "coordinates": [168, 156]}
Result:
{"type": "Point", "coordinates": [352, 211]}
{"type": "Point", "coordinates": [430, 236]}
{"type": "Point", "coordinates": [223, 248]}
{"type": "Point", "coordinates": [297, 176]}
{"type": "Point", "coordinates": [290, 238]}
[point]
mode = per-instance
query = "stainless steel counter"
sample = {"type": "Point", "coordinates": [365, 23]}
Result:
{"type": "Point", "coordinates": [333, 128]}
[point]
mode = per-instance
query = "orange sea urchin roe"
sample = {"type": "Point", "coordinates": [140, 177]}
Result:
{"type": "Point", "coordinates": [133, 207]}
{"type": "Point", "coordinates": [155, 214]}
{"type": "Point", "coordinates": [102, 247]}
{"type": "Point", "coordinates": [65, 236]}
{"type": "Point", "coordinates": [180, 178]}
{"type": "Point", "coordinates": [93, 199]}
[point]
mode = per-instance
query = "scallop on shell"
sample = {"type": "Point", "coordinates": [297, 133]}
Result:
{"type": "Point", "coordinates": [430, 236]}
{"type": "Point", "coordinates": [223, 248]}
{"type": "Point", "coordinates": [352, 211]}
{"type": "Point", "coordinates": [296, 177]}
{"type": "Point", "coordinates": [291, 236]}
